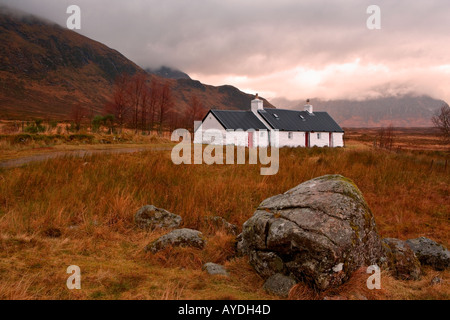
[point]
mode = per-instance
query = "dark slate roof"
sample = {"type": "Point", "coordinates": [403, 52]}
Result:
{"type": "Point", "coordinates": [293, 120]}
{"type": "Point", "coordinates": [245, 120]}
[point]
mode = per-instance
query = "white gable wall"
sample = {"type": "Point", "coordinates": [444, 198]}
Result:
{"type": "Point", "coordinates": [338, 139]}
{"type": "Point", "coordinates": [323, 140]}
{"type": "Point", "coordinates": [211, 122]}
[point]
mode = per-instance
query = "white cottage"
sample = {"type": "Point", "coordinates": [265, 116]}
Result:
{"type": "Point", "coordinates": [257, 127]}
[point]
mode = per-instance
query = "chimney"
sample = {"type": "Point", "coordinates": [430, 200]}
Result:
{"type": "Point", "coordinates": [257, 104]}
{"type": "Point", "coordinates": [308, 106]}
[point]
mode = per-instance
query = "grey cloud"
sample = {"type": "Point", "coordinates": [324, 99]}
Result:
{"type": "Point", "coordinates": [264, 37]}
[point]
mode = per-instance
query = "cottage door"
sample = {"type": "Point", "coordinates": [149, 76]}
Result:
{"type": "Point", "coordinates": [306, 139]}
{"type": "Point", "coordinates": [250, 139]}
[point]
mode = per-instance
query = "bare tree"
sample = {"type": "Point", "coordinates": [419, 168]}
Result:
{"type": "Point", "coordinates": [385, 137]}
{"type": "Point", "coordinates": [381, 134]}
{"type": "Point", "coordinates": [78, 115]}
{"type": "Point", "coordinates": [389, 140]}
{"type": "Point", "coordinates": [441, 120]}
{"type": "Point", "coordinates": [165, 105]}
{"type": "Point", "coordinates": [153, 103]}
{"type": "Point", "coordinates": [137, 95]}
{"type": "Point", "coordinates": [195, 111]}
{"type": "Point", "coordinates": [145, 105]}
{"type": "Point", "coordinates": [119, 105]}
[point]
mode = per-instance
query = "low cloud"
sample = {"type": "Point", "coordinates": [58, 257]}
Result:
{"type": "Point", "coordinates": [285, 48]}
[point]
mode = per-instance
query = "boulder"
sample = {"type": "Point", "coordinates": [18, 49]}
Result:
{"type": "Point", "coordinates": [151, 217]}
{"type": "Point", "coordinates": [221, 223]}
{"type": "Point", "coordinates": [430, 253]}
{"type": "Point", "coordinates": [215, 269]}
{"type": "Point", "coordinates": [178, 238]}
{"type": "Point", "coordinates": [320, 232]}
{"type": "Point", "coordinates": [241, 246]}
{"type": "Point", "coordinates": [402, 261]}
{"type": "Point", "coordinates": [279, 285]}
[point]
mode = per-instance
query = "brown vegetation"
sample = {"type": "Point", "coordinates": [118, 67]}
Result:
{"type": "Point", "coordinates": [91, 202]}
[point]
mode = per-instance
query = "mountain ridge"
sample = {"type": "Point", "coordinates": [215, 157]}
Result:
{"type": "Point", "coordinates": [403, 111]}
{"type": "Point", "coordinates": [168, 73]}
{"type": "Point", "coordinates": [45, 69]}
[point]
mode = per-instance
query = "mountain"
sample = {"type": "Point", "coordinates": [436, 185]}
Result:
{"type": "Point", "coordinates": [45, 69]}
{"type": "Point", "coordinates": [404, 111]}
{"type": "Point", "coordinates": [168, 73]}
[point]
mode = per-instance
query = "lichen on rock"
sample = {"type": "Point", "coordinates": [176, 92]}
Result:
{"type": "Point", "coordinates": [319, 232]}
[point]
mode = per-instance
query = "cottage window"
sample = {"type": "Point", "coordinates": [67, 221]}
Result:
{"type": "Point", "coordinates": [290, 135]}
{"type": "Point", "coordinates": [318, 136]}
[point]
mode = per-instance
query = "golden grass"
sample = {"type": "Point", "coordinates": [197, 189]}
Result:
{"type": "Point", "coordinates": [92, 202]}
{"type": "Point", "coordinates": [14, 150]}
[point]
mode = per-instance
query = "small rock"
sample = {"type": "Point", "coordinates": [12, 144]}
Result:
{"type": "Point", "coordinates": [401, 259]}
{"type": "Point", "coordinates": [151, 217]}
{"type": "Point", "coordinates": [178, 238]}
{"type": "Point", "coordinates": [215, 269]}
{"type": "Point", "coordinates": [435, 281]}
{"type": "Point", "coordinates": [279, 285]}
{"type": "Point", "coordinates": [219, 222]}
{"type": "Point", "coordinates": [430, 253]}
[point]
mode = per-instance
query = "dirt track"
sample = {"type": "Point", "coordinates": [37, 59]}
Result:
{"type": "Point", "coordinates": [14, 163]}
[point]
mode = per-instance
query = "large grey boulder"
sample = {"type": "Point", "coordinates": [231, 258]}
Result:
{"type": "Point", "coordinates": [430, 253]}
{"type": "Point", "coordinates": [279, 285]}
{"type": "Point", "coordinates": [402, 261]}
{"type": "Point", "coordinates": [151, 217]}
{"type": "Point", "coordinates": [178, 238]}
{"type": "Point", "coordinates": [319, 232]}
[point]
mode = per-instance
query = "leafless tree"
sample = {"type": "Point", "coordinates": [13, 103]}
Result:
{"type": "Point", "coordinates": [385, 137]}
{"type": "Point", "coordinates": [137, 96]}
{"type": "Point", "coordinates": [165, 105]}
{"type": "Point", "coordinates": [119, 104]}
{"type": "Point", "coordinates": [78, 114]}
{"type": "Point", "coordinates": [195, 111]}
{"type": "Point", "coordinates": [441, 120]}
{"type": "Point", "coordinates": [153, 103]}
{"type": "Point", "coordinates": [390, 136]}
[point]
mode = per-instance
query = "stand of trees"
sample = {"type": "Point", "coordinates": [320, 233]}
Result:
{"type": "Point", "coordinates": [140, 103]}
{"type": "Point", "coordinates": [148, 105]}
{"type": "Point", "coordinates": [385, 138]}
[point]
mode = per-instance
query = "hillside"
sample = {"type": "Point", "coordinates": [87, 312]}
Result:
{"type": "Point", "coordinates": [168, 73]}
{"type": "Point", "coordinates": [45, 69]}
{"type": "Point", "coordinates": [406, 111]}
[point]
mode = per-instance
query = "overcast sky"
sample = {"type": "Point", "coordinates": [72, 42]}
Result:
{"type": "Point", "coordinates": [285, 48]}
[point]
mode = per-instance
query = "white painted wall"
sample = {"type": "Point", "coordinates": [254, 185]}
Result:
{"type": "Point", "coordinates": [319, 139]}
{"type": "Point", "coordinates": [338, 139]}
{"type": "Point", "coordinates": [237, 138]}
{"type": "Point", "coordinates": [201, 136]}
{"type": "Point", "coordinates": [297, 139]}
